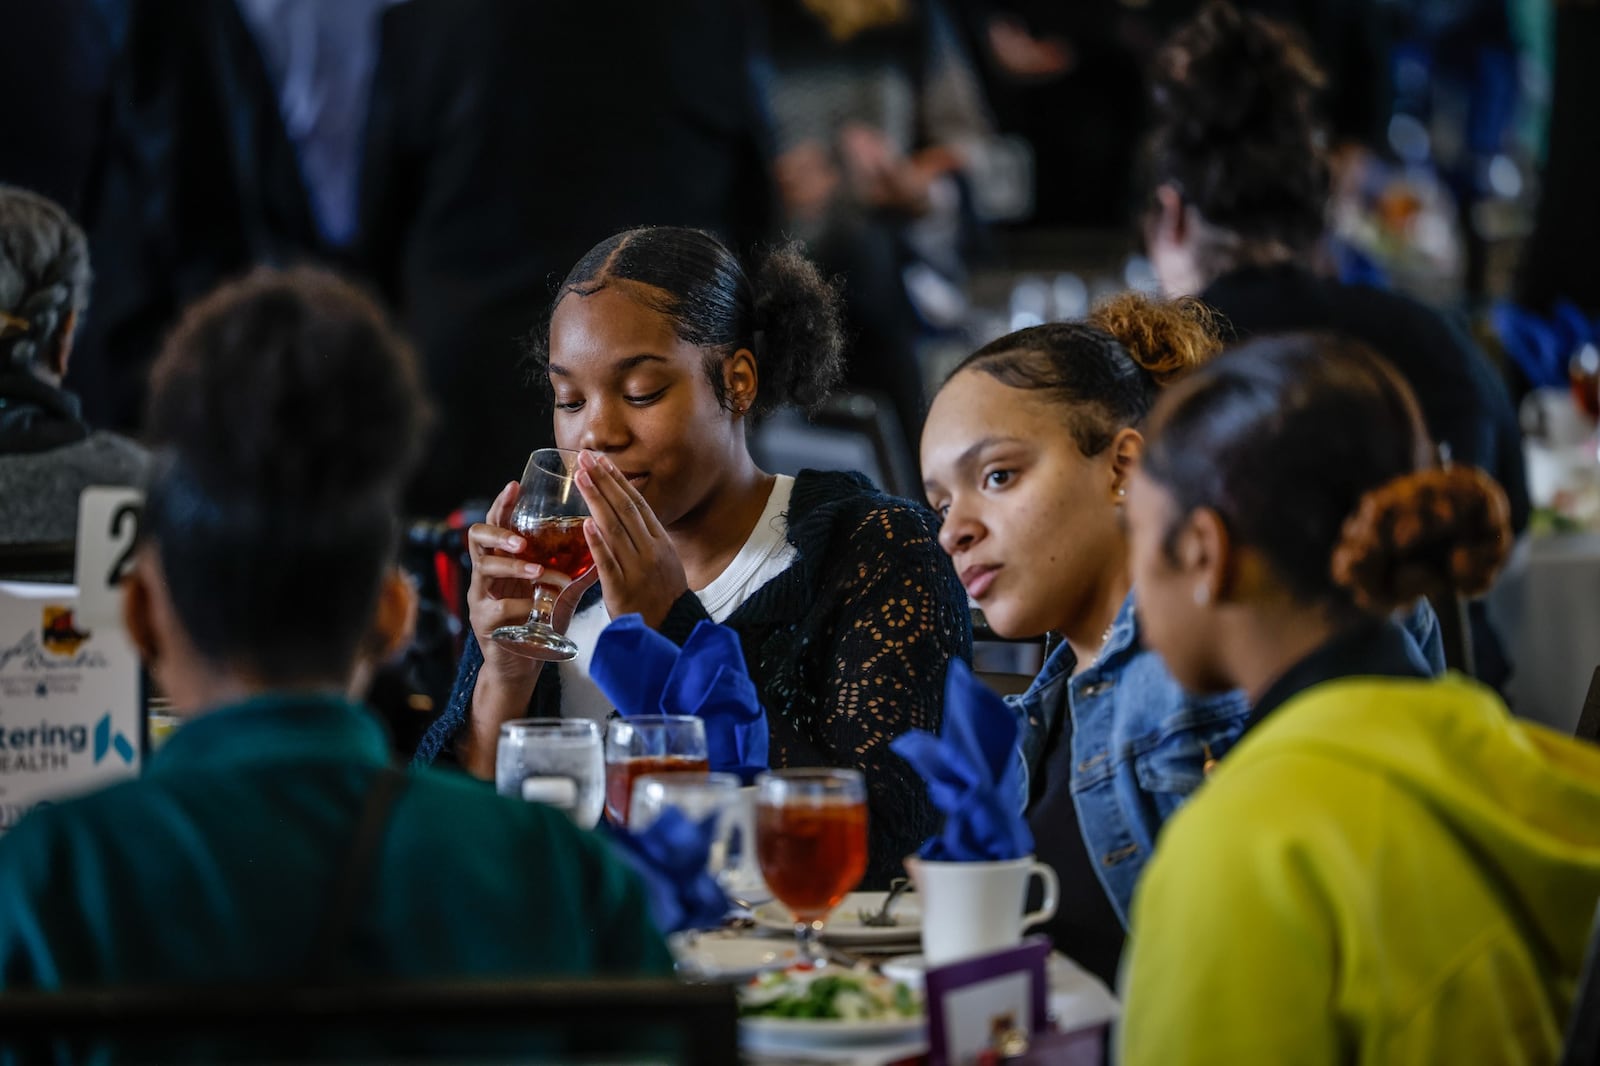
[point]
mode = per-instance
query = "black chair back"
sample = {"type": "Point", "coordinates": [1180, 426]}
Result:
{"type": "Point", "coordinates": [1455, 633]}
{"type": "Point", "coordinates": [1583, 1031]}
{"type": "Point", "coordinates": [853, 431]}
{"type": "Point", "coordinates": [482, 1022]}
{"type": "Point", "coordinates": [1589, 718]}
{"type": "Point", "coordinates": [38, 561]}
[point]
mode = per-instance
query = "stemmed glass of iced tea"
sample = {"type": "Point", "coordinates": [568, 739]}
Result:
{"type": "Point", "coordinates": [548, 516]}
{"type": "Point", "coordinates": [811, 843]}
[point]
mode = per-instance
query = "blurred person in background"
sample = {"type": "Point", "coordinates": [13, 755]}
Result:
{"type": "Point", "coordinates": [268, 839]}
{"type": "Point", "coordinates": [1387, 868]}
{"type": "Point", "coordinates": [1237, 181]}
{"type": "Point", "coordinates": [883, 136]}
{"type": "Point", "coordinates": [321, 58]}
{"type": "Point", "coordinates": [196, 181]}
{"type": "Point", "coordinates": [1558, 261]}
{"type": "Point", "coordinates": [57, 56]}
{"type": "Point", "coordinates": [504, 139]}
{"type": "Point", "coordinates": [48, 453]}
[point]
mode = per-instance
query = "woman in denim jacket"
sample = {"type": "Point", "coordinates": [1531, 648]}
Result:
{"type": "Point", "coordinates": [1026, 454]}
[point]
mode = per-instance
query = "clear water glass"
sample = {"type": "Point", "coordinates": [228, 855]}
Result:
{"type": "Point", "coordinates": [697, 797]}
{"type": "Point", "coordinates": [555, 761]}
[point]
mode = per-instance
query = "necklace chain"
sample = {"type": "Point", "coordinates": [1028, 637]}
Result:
{"type": "Point", "coordinates": [1105, 638]}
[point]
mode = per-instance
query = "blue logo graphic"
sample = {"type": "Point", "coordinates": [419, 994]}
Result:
{"type": "Point", "coordinates": [105, 741]}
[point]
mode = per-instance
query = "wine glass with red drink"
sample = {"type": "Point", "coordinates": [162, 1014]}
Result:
{"type": "Point", "coordinates": [548, 516]}
{"type": "Point", "coordinates": [811, 844]}
{"type": "Point", "coordinates": [650, 744]}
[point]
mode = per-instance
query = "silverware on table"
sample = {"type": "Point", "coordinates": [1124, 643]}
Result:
{"type": "Point", "coordinates": [881, 918]}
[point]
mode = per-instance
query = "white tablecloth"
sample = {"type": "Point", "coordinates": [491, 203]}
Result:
{"type": "Point", "coordinates": [1547, 609]}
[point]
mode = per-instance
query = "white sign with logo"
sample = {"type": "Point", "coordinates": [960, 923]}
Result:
{"type": "Point", "coordinates": [69, 700]}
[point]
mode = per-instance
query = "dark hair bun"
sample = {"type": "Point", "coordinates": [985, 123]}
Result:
{"type": "Point", "coordinates": [1236, 130]}
{"type": "Point", "coordinates": [1166, 337]}
{"type": "Point", "coordinates": [1436, 531]}
{"type": "Point", "coordinates": [800, 315]}
{"type": "Point", "coordinates": [289, 388]}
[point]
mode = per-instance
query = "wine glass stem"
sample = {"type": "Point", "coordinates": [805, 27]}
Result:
{"type": "Point", "coordinates": [809, 934]}
{"type": "Point", "coordinates": [544, 606]}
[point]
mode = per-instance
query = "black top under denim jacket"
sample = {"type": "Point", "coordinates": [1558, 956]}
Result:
{"type": "Point", "coordinates": [848, 648]}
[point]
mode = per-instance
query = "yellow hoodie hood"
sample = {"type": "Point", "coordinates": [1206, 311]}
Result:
{"type": "Point", "coordinates": [1523, 797]}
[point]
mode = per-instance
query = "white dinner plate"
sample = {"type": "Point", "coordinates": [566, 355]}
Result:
{"type": "Point", "coordinates": [724, 955]}
{"type": "Point", "coordinates": [758, 1032]}
{"type": "Point", "coordinates": [844, 924]}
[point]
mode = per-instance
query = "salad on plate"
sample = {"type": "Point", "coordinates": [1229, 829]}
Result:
{"type": "Point", "coordinates": [828, 993]}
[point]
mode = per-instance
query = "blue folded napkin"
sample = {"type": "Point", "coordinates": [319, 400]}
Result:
{"type": "Point", "coordinates": [670, 857]}
{"type": "Point", "coordinates": [1542, 347]}
{"type": "Point", "coordinates": [642, 672]}
{"type": "Point", "coordinates": [973, 774]}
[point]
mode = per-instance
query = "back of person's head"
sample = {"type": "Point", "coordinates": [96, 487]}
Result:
{"type": "Point", "coordinates": [784, 312]}
{"type": "Point", "coordinates": [1312, 451]}
{"type": "Point", "coordinates": [44, 280]}
{"type": "Point", "coordinates": [289, 414]}
{"type": "Point", "coordinates": [1235, 133]}
{"type": "Point", "coordinates": [1105, 371]}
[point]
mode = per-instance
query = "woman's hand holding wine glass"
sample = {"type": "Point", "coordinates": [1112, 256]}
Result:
{"type": "Point", "coordinates": [502, 588]}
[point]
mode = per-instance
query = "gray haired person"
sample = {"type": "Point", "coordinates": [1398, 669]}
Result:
{"type": "Point", "coordinates": [48, 455]}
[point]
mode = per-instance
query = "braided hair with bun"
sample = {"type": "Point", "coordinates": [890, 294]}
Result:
{"type": "Point", "coordinates": [1312, 450]}
{"type": "Point", "coordinates": [44, 279]}
{"type": "Point", "coordinates": [1107, 370]}
{"type": "Point", "coordinates": [784, 311]}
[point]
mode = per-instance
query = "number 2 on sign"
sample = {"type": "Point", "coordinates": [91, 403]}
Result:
{"type": "Point", "coordinates": [125, 516]}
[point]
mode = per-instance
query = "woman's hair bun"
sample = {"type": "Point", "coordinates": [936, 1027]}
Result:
{"type": "Point", "coordinates": [800, 315]}
{"type": "Point", "coordinates": [1235, 98]}
{"type": "Point", "coordinates": [1439, 531]}
{"type": "Point", "coordinates": [288, 387]}
{"type": "Point", "coordinates": [1228, 75]}
{"type": "Point", "coordinates": [1167, 338]}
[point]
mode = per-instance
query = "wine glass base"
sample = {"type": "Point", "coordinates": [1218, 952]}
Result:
{"type": "Point", "coordinates": [536, 642]}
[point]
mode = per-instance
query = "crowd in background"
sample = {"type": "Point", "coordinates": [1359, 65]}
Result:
{"type": "Point", "coordinates": [908, 142]}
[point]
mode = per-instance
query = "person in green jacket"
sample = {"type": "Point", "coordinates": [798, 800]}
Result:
{"type": "Point", "coordinates": [1385, 869]}
{"type": "Point", "coordinates": [288, 414]}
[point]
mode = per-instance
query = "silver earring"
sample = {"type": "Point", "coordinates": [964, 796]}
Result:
{"type": "Point", "coordinates": [1121, 493]}
{"type": "Point", "coordinates": [1202, 594]}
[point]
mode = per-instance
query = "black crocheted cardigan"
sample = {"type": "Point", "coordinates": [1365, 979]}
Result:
{"type": "Point", "coordinates": [848, 648]}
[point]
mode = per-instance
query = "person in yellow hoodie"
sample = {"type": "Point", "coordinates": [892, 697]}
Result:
{"type": "Point", "coordinates": [1385, 869]}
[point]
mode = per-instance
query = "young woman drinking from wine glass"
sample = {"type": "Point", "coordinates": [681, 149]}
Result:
{"type": "Point", "coordinates": [1026, 454]}
{"type": "Point", "coordinates": [660, 348]}
{"type": "Point", "coordinates": [1386, 868]}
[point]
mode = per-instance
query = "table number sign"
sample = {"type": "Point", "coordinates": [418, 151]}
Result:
{"type": "Point", "coordinates": [108, 528]}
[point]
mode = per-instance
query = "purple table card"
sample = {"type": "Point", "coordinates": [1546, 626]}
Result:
{"type": "Point", "coordinates": [974, 1003]}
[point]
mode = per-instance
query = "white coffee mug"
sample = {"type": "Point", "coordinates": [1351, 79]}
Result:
{"type": "Point", "coordinates": [972, 908]}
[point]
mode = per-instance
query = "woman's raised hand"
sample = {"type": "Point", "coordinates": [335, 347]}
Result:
{"type": "Point", "coordinates": [639, 569]}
